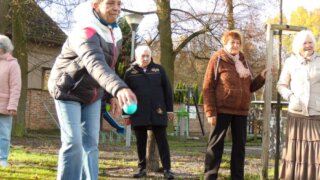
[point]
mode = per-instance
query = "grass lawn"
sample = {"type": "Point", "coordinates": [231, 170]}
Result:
{"type": "Point", "coordinates": [35, 157]}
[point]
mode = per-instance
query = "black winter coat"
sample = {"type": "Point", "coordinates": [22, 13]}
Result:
{"type": "Point", "coordinates": [153, 92]}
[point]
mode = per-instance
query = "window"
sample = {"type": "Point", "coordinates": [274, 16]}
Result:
{"type": "Point", "coordinates": [45, 77]}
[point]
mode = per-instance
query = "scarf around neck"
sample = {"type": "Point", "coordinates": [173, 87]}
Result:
{"type": "Point", "coordinates": [306, 59]}
{"type": "Point", "coordinates": [241, 70]}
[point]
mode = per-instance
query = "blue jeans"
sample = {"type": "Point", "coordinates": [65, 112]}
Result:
{"type": "Point", "coordinates": [5, 137]}
{"type": "Point", "coordinates": [79, 128]}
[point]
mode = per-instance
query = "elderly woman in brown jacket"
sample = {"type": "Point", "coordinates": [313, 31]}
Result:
{"type": "Point", "coordinates": [227, 88]}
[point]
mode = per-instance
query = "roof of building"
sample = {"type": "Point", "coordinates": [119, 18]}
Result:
{"type": "Point", "coordinates": [40, 27]}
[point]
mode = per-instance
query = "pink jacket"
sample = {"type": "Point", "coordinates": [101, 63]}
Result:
{"type": "Point", "coordinates": [10, 83]}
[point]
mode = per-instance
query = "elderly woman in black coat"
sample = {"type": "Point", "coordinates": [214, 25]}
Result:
{"type": "Point", "coordinates": [149, 82]}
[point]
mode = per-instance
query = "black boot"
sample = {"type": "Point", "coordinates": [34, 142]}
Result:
{"type": "Point", "coordinates": [141, 173]}
{"type": "Point", "coordinates": [168, 174]}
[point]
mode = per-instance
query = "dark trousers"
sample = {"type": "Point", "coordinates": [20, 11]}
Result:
{"type": "Point", "coordinates": [216, 145]}
{"type": "Point", "coordinates": [160, 135]}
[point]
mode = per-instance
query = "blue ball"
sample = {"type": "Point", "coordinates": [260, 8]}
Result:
{"type": "Point", "coordinates": [130, 108]}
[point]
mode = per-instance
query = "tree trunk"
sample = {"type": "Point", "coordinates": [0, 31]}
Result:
{"type": "Point", "coordinates": [167, 61]}
{"type": "Point", "coordinates": [230, 17]}
{"type": "Point", "coordinates": [20, 52]}
{"type": "Point", "coordinates": [167, 55]}
{"type": "Point", "coordinates": [152, 153]}
{"type": "Point", "coordinates": [4, 9]}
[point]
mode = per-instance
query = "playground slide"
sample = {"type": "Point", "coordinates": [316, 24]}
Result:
{"type": "Point", "coordinates": [120, 129]}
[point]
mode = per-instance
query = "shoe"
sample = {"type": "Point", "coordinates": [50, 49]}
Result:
{"type": "Point", "coordinates": [141, 173]}
{"type": "Point", "coordinates": [168, 174]}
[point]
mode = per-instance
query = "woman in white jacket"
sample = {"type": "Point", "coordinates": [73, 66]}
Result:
{"type": "Point", "coordinates": [299, 83]}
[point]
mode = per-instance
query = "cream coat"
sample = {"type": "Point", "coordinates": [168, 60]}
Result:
{"type": "Point", "coordinates": [300, 81]}
{"type": "Point", "coordinates": [10, 83]}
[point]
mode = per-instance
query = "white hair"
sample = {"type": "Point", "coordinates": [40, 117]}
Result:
{"type": "Point", "coordinates": [5, 44]}
{"type": "Point", "coordinates": [141, 49]}
{"type": "Point", "coordinates": [299, 40]}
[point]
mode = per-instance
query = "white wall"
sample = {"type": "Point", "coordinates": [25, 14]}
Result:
{"type": "Point", "coordinates": [39, 57]}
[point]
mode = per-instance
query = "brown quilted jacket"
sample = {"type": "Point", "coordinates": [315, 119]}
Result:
{"type": "Point", "coordinates": [227, 93]}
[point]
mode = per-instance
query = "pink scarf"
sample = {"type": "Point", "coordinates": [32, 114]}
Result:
{"type": "Point", "coordinates": [7, 57]}
{"type": "Point", "coordinates": [241, 70]}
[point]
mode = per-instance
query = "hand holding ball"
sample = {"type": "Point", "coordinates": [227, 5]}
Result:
{"type": "Point", "coordinates": [130, 108]}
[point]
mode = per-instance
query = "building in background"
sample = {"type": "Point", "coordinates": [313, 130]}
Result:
{"type": "Point", "coordinates": [44, 42]}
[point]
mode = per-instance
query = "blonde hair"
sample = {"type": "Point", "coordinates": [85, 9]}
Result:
{"type": "Point", "coordinates": [299, 40]}
{"type": "Point", "coordinates": [140, 49]}
{"type": "Point", "coordinates": [233, 34]}
{"type": "Point", "coordinates": [6, 44]}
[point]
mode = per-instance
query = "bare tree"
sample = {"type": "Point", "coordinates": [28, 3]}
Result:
{"type": "Point", "coordinates": [13, 24]}
{"type": "Point", "coordinates": [230, 18]}
{"type": "Point", "coordinates": [4, 9]}
{"type": "Point", "coordinates": [62, 9]}
{"type": "Point", "coordinates": [20, 52]}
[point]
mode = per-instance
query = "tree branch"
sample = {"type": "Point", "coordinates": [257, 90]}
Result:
{"type": "Point", "coordinates": [199, 57]}
{"type": "Point", "coordinates": [194, 17]}
{"type": "Point", "coordinates": [205, 29]}
{"type": "Point", "coordinates": [150, 42]}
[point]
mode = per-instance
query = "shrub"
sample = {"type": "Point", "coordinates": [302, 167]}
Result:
{"type": "Point", "coordinates": [181, 93]}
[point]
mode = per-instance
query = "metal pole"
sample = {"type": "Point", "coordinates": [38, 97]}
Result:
{"type": "Point", "coordinates": [188, 111]}
{"type": "Point", "coordinates": [278, 119]}
{"type": "Point", "coordinates": [128, 133]}
{"type": "Point", "coordinates": [133, 38]}
{"type": "Point", "coordinates": [198, 114]}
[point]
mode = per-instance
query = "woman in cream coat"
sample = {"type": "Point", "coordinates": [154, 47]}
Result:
{"type": "Point", "coordinates": [299, 83]}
